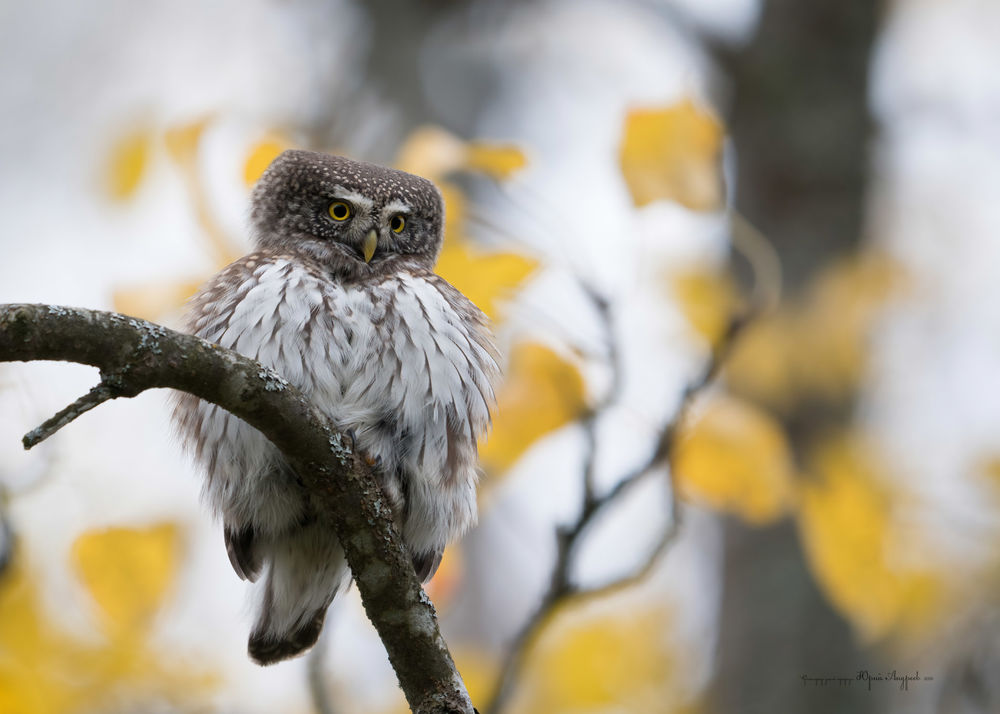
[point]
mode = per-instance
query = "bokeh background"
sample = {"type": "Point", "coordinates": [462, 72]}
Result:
{"type": "Point", "coordinates": [622, 180]}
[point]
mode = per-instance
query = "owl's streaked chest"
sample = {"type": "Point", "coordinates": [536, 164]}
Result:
{"type": "Point", "coordinates": [396, 350]}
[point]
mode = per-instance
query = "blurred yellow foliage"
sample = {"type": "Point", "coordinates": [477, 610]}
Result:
{"type": "Point", "coordinates": [815, 347]}
{"type": "Point", "coordinates": [617, 662]}
{"type": "Point", "coordinates": [36, 659]}
{"type": "Point", "coordinates": [759, 366]}
{"type": "Point", "coordinates": [540, 393]}
{"type": "Point", "coordinates": [127, 163]}
{"type": "Point", "coordinates": [127, 572]}
{"type": "Point", "coordinates": [448, 577]}
{"type": "Point", "coordinates": [261, 155]}
{"type": "Point", "coordinates": [708, 299]}
{"type": "Point", "coordinates": [851, 539]}
{"type": "Point", "coordinates": [840, 311]}
{"type": "Point", "coordinates": [735, 457]}
{"type": "Point", "coordinates": [478, 670]}
{"type": "Point", "coordinates": [673, 153]}
{"type": "Point", "coordinates": [434, 153]}
{"type": "Point", "coordinates": [483, 277]}
{"type": "Point", "coordinates": [46, 670]}
{"type": "Point", "coordinates": [499, 161]}
{"type": "Point", "coordinates": [151, 301]}
{"type": "Point", "coordinates": [990, 468]}
{"type": "Point", "coordinates": [183, 140]}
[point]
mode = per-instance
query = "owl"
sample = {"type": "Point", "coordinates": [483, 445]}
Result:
{"type": "Point", "coordinates": [340, 298]}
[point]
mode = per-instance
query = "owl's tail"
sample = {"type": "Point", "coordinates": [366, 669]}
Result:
{"type": "Point", "coordinates": [306, 568]}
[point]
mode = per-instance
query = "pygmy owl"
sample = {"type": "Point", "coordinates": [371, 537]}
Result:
{"type": "Point", "coordinates": [340, 298]}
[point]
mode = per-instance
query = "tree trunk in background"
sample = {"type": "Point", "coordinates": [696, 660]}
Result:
{"type": "Point", "coordinates": [799, 120]}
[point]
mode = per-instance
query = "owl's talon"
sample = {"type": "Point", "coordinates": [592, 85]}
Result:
{"type": "Point", "coordinates": [373, 461]}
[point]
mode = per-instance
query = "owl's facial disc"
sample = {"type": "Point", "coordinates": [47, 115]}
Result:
{"type": "Point", "coordinates": [357, 219]}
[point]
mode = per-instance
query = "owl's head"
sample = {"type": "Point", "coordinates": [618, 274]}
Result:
{"type": "Point", "coordinates": [355, 218]}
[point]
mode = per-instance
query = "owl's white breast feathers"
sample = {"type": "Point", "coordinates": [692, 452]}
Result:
{"type": "Point", "coordinates": [407, 363]}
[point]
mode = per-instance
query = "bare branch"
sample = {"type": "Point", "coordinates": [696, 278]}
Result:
{"type": "Point", "coordinates": [562, 591]}
{"type": "Point", "coordinates": [764, 297]}
{"type": "Point", "coordinates": [141, 355]}
{"type": "Point", "coordinates": [589, 420]}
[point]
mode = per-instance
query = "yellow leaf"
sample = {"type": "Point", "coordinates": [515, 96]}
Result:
{"type": "Point", "coordinates": [127, 164]}
{"type": "Point", "coordinates": [735, 457]}
{"type": "Point", "coordinates": [759, 366]}
{"type": "Point", "coordinates": [485, 278]}
{"type": "Point", "coordinates": [498, 161]}
{"type": "Point", "coordinates": [708, 300]}
{"type": "Point", "coordinates": [835, 322]}
{"type": "Point", "coordinates": [46, 670]}
{"type": "Point", "coordinates": [127, 571]}
{"type": "Point", "coordinates": [434, 153]}
{"type": "Point", "coordinates": [261, 155]}
{"type": "Point", "coordinates": [849, 534]}
{"type": "Point", "coordinates": [620, 663]}
{"type": "Point", "coordinates": [431, 152]}
{"type": "Point", "coordinates": [183, 140]}
{"type": "Point", "coordinates": [34, 656]}
{"type": "Point", "coordinates": [540, 393]}
{"type": "Point", "coordinates": [674, 154]}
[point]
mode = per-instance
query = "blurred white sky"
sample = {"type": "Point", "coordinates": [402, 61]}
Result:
{"type": "Point", "coordinates": [935, 385]}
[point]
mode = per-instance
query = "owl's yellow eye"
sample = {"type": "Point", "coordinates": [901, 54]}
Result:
{"type": "Point", "coordinates": [397, 224]}
{"type": "Point", "coordinates": [339, 211]}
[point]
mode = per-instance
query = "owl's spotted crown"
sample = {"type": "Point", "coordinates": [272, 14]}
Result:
{"type": "Point", "coordinates": [357, 219]}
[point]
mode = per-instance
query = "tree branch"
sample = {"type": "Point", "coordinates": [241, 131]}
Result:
{"type": "Point", "coordinates": [134, 355]}
{"type": "Point", "coordinates": [562, 590]}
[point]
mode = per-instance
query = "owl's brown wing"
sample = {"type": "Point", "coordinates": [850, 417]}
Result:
{"type": "Point", "coordinates": [426, 564]}
{"type": "Point", "coordinates": [244, 556]}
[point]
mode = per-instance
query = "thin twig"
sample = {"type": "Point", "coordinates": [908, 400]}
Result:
{"type": "Point", "coordinates": [763, 260]}
{"type": "Point", "coordinates": [589, 420]}
{"type": "Point", "coordinates": [561, 590]}
{"type": "Point", "coordinates": [764, 296]}
{"type": "Point", "coordinates": [96, 396]}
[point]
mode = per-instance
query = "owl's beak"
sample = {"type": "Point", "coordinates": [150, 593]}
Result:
{"type": "Point", "coordinates": [369, 245]}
